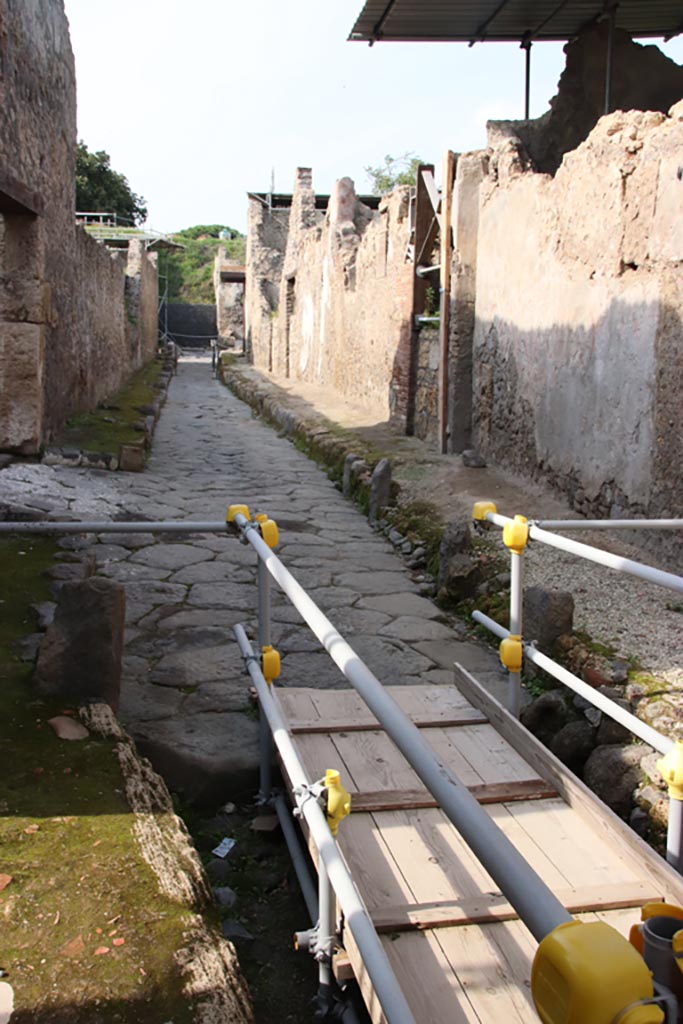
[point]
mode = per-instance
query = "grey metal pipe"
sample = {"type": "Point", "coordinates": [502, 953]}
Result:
{"type": "Point", "coordinates": [674, 835]}
{"type": "Point", "coordinates": [299, 859]}
{"type": "Point", "coordinates": [109, 526]}
{"type": "Point", "coordinates": [574, 547]}
{"type": "Point", "coordinates": [639, 728]}
{"type": "Point", "coordinates": [358, 920]}
{"type": "Point", "coordinates": [516, 602]}
{"type": "Point", "coordinates": [609, 524]}
{"type": "Point", "coordinates": [535, 903]}
{"type": "Point", "coordinates": [326, 931]}
{"type": "Point", "coordinates": [265, 742]}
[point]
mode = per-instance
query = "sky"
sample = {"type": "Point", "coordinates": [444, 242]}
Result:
{"type": "Point", "coordinates": [198, 102]}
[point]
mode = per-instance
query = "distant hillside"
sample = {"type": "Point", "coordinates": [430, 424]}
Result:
{"type": "Point", "coordinates": [190, 270]}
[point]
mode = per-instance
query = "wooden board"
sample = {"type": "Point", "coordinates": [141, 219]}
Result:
{"type": "Point", "coordinates": [457, 946]}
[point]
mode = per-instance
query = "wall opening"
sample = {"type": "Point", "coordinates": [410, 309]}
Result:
{"type": "Point", "coordinates": [289, 313]}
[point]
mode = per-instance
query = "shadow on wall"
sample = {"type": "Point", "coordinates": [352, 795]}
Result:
{"type": "Point", "coordinates": [592, 409]}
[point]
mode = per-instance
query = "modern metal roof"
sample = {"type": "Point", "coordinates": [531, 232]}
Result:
{"type": "Point", "coordinates": [473, 21]}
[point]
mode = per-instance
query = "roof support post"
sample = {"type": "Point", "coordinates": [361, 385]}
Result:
{"type": "Point", "coordinates": [610, 57]}
{"type": "Point", "coordinates": [526, 46]}
{"type": "Point", "coordinates": [445, 295]}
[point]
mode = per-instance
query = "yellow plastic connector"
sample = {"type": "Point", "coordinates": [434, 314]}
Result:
{"type": "Point", "coordinates": [235, 510]}
{"type": "Point", "coordinates": [654, 909]}
{"type": "Point", "coordinates": [270, 663]}
{"type": "Point", "coordinates": [481, 509]}
{"type": "Point", "coordinates": [338, 800]}
{"type": "Point", "coordinates": [516, 535]}
{"type": "Point", "coordinates": [590, 974]}
{"type": "Point", "coordinates": [671, 768]}
{"type": "Point", "coordinates": [269, 531]}
{"type": "Point", "coordinates": [511, 653]}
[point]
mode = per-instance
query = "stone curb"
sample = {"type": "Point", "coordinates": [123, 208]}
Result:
{"type": "Point", "coordinates": [130, 457]}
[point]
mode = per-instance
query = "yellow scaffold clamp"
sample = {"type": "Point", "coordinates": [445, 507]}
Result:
{"type": "Point", "coordinates": [671, 769]}
{"type": "Point", "coordinates": [511, 653]}
{"type": "Point", "coordinates": [270, 663]}
{"type": "Point", "coordinates": [587, 973]}
{"type": "Point", "coordinates": [237, 510]}
{"type": "Point", "coordinates": [481, 509]}
{"type": "Point", "coordinates": [338, 800]}
{"type": "Point", "coordinates": [268, 530]}
{"type": "Point", "coordinates": [516, 535]}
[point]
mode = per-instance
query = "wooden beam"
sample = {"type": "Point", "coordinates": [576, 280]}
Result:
{"type": "Point", "coordinates": [431, 189]}
{"type": "Point", "coordinates": [485, 793]}
{"type": "Point", "coordinates": [489, 908]}
{"type": "Point", "coordinates": [445, 295]}
{"type": "Point", "coordinates": [634, 849]}
{"type": "Point", "coordinates": [468, 716]}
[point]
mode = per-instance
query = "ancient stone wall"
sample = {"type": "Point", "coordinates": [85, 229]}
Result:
{"type": "Point", "coordinates": [578, 339]}
{"type": "Point", "coordinates": [342, 317]}
{"type": "Point", "coordinates": [63, 326]}
{"type": "Point", "coordinates": [266, 243]}
{"type": "Point", "coordinates": [229, 298]}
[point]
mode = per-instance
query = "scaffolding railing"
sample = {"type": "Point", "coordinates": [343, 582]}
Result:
{"type": "Point", "coordinates": [558, 985]}
{"type": "Point", "coordinates": [517, 532]}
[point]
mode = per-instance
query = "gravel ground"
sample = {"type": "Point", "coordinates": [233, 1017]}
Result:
{"type": "Point", "coordinates": [618, 610]}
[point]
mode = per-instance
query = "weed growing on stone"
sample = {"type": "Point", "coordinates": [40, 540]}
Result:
{"type": "Point", "coordinates": [118, 421]}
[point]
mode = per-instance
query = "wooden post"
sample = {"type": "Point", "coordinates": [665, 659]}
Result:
{"type": "Point", "coordinates": [424, 221]}
{"type": "Point", "coordinates": [445, 294]}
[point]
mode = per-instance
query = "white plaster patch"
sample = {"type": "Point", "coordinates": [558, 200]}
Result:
{"type": "Point", "coordinates": [324, 299]}
{"type": "Point", "coordinates": [307, 329]}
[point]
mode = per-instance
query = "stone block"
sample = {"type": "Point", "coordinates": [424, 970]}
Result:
{"type": "Point", "coordinates": [546, 716]}
{"type": "Point", "coordinates": [613, 773]}
{"type": "Point", "coordinates": [548, 614]}
{"type": "Point", "coordinates": [131, 458]}
{"type": "Point", "coordinates": [80, 656]}
{"type": "Point", "coordinates": [380, 489]}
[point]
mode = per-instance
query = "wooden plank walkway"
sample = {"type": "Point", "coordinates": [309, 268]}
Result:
{"type": "Point", "coordinates": [455, 943]}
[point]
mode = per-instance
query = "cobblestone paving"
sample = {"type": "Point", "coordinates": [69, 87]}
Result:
{"type": "Point", "coordinates": [185, 695]}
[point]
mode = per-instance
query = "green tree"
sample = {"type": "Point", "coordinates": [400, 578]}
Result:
{"type": "Point", "coordinates": [396, 170]}
{"type": "Point", "coordinates": [100, 189]}
{"type": "Point", "coordinates": [190, 270]}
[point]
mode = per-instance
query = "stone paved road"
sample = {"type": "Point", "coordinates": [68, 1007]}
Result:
{"type": "Point", "coordinates": [184, 692]}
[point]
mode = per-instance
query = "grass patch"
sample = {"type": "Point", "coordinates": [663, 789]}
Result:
{"type": "Point", "coordinates": [66, 841]}
{"type": "Point", "coordinates": [119, 420]}
{"type": "Point", "coordinates": [422, 523]}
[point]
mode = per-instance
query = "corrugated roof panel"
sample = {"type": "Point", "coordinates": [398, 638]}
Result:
{"type": "Point", "coordinates": [507, 20]}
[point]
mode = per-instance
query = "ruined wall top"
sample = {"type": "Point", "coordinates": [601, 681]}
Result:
{"type": "Point", "coordinates": [643, 78]}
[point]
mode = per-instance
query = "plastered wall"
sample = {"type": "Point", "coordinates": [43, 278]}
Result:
{"type": "Point", "coordinates": [578, 339]}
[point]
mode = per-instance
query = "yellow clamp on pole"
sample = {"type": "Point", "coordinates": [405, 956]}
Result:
{"type": "Point", "coordinates": [268, 529]}
{"type": "Point", "coordinates": [481, 509]}
{"type": "Point", "coordinates": [516, 535]}
{"type": "Point", "coordinates": [511, 653]}
{"type": "Point", "coordinates": [671, 768]}
{"type": "Point", "coordinates": [270, 663]}
{"type": "Point", "coordinates": [338, 800]}
{"type": "Point", "coordinates": [587, 973]}
{"type": "Point", "coordinates": [235, 510]}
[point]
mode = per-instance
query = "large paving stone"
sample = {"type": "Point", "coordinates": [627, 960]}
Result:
{"type": "Point", "coordinates": [391, 661]}
{"type": "Point", "coordinates": [129, 572]}
{"type": "Point", "coordinates": [142, 597]}
{"type": "Point", "coordinates": [145, 702]}
{"type": "Point", "coordinates": [314, 669]}
{"type": "Point", "coordinates": [193, 666]}
{"type": "Point", "coordinates": [471, 656]}
{"type": "Point", "coordinates": [410, 628]}
{"type": "Point", "coordinates": [400, 604]}
{"type": "Point", "coordinates": [231, 694]}
{"type": "Point", "coordinates": [194, 618]}
{"type": "Point", "coordinates": [209, 757]}
{"type": "Point", "coordinates": [213, 572]}
{"type": "Point", "coordinates": [171, 556]}
{"type": "Point", "coordinates": [223, 595]}
{"type": "Point", "coordinates": [373, 583]}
